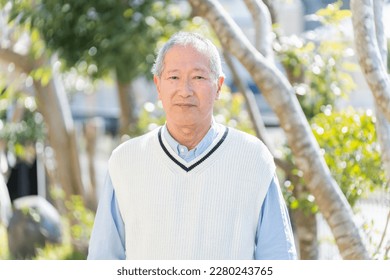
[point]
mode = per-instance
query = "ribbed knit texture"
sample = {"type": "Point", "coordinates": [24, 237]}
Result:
{"type": "Point", "coordinates": [209, 212]}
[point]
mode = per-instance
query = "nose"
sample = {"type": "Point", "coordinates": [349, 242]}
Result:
{"type": "Point", "coordinates": [186, 89]}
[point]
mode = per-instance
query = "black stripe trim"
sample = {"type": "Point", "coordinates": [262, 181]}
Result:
{"type": "Point", "coordinates": [187, 169]}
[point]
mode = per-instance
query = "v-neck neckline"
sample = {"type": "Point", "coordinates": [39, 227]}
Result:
{"type": "Point", "coordinates": [196, 162]}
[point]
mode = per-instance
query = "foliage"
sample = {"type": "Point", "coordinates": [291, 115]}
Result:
{"type": "Point", "coordinates": [4, 254]}
{"type": "Point", "coordinates": [79, 230]}
{"type": "Point", "coordinates": [22, 135]}
{"type": "Point", "coordinates": [81, 220]}
{"type": "Point", "coordinates": [348, 139]}
{"type": "Point", "coordinates": [378, 238]}
{"type": "Point", "coordinates": [151, 116]}
{"type": "Point", "coordinates": [77, 227]}
{"type": "Point", "coordinates": [101, 36]}
{"type": "Point", "coordinates": [333, 14]}
{"type": "Point", "coordinates": [231, 110]}
{"type": "Point", "coordinates": [320, 74]}
{"type": "Point", "coordinates": [63, 251]}
{"type": "Point", "coordinates": [319, 71]}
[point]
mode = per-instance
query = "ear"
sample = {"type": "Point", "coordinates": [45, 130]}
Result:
{"type": "Point", "coordinates": [219, 86]}
{"type": "Point", "coordinates": [156, 81]}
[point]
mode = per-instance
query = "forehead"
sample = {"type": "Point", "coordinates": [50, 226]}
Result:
{"type": "Point", "coordinates": [186, 57]}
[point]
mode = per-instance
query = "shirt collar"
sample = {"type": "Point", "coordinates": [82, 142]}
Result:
{"type": "Point", "coordinates": [182, 150]}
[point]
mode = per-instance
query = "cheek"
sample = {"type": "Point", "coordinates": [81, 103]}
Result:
{"type": "Point", "coordinates": [165, 102]}
{"type": "Point", "coordinates": [164, 93]}
{"type": "Point", "coordinates": [208, 102]}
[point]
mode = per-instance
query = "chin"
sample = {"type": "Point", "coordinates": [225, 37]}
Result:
{"type": "Point", "coordinates": [186, 120]}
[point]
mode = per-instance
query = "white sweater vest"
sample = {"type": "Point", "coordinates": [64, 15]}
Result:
{"type": "Point", "coordinates": [205, 209]}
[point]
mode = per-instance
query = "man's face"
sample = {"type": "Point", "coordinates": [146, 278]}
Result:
{"type": "Point", "coordinates": [187, 88]}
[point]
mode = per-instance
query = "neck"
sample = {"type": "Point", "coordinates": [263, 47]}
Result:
{"type": "Point", "coordinates": [189, 135]}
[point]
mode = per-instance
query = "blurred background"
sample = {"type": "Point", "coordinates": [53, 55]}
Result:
{"type": "Point", "coordinates": [75, 82]}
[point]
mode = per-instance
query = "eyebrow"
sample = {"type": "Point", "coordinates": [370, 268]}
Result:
{"type": "Point", "coordinates": [172, 71]}
{"type": "Point", "coordinates": [197, 69]}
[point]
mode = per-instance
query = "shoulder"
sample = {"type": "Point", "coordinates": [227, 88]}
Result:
{"type": "Point", "coordinates": [134, 145]}
{"type": "Point", "coordinates": [249, 144]}
{"type": "Point", "coordinates": [248, 140]}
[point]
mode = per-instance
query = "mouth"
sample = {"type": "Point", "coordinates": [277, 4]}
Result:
{"type": "Point", "coordinates": [184, 105]}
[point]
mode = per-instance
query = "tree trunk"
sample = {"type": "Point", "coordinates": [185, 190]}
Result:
{"type": "Point", "coordinates": [271, 7]}
{"type": "Point", "coordinates": [53, 105]}
{"type": "Point", "coordinates": [280, 95]}
{"type": "Point", "coordinates": [127, 119]}
{"type": "Point", "coordinates": [253, 109]}
{"type": "Point", "coordinates": [378, 45]}
{"type": "Point", "coordinates": [90, 134]}
{"type": "Point", "coordinates": [263, 27]}
{"type": "Point", "coordinates": [124, 119]}
{"type": "Point", "coordinates": [305, 224]}
{"type": "Point", "coordinates": [369, 54]}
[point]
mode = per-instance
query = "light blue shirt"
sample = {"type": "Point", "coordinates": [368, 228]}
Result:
{"type": "Point", "coordinates": [274, 237]}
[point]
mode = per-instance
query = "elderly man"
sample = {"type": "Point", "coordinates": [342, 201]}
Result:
{"type": "Point", "coordinates": [193, 188]}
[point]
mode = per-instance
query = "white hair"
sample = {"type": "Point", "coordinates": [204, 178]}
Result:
{"type": "Point", "coordinates": [201, 44]}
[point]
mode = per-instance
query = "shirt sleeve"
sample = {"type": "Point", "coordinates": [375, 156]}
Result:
{"type": "Point", "coordinates": [107, 240]}
{"type": "Point", "coordinates": [274, 237]}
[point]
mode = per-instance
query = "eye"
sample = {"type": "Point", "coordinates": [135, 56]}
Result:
{"type": "Point", "coordinates": [173, 78]}
{"type": "Point", "coordinates": [199, 78]}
